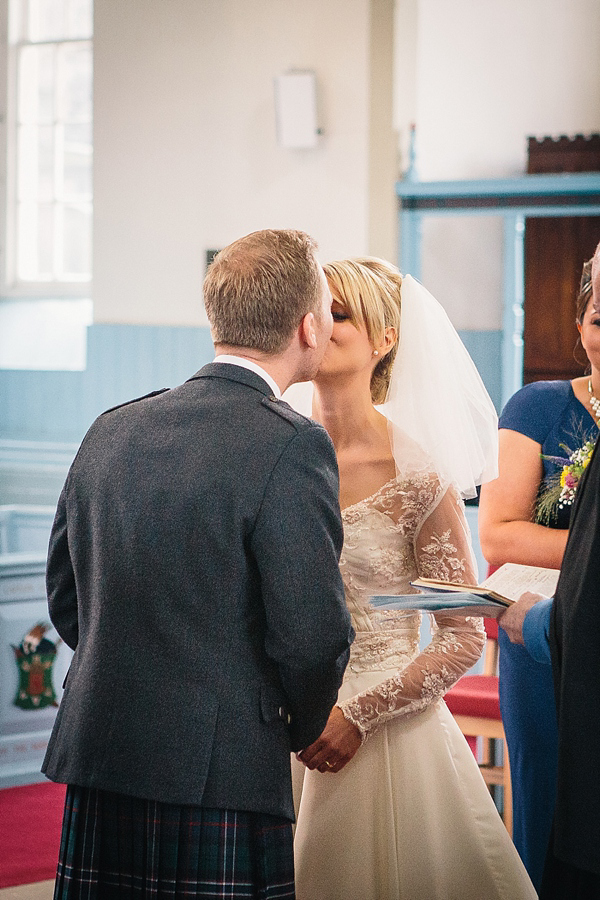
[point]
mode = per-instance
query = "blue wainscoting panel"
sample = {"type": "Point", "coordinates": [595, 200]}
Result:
{"type": "Point", "coordinates": [44, 415]}
{"type": "Point", "coordinates": [40, 406]}
{"type": "Point", "coordinates": [124, 361]}
{"type": "Point", "coordinates": [485, 348]}
{"type": "Point", "coordinates": [33, 472]}
{"type": "Point", "coordinates": [25, 528]}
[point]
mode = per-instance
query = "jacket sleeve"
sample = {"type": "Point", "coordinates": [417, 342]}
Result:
{"type": "Point", "coordinates": [536, 628]}
{"type": "Point", "coordinates": [60, 579]}
{"type": "Point", "coordinates": [297, 542]}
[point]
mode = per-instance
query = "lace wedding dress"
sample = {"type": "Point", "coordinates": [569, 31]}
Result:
{"type": "Point", "coordinates": [409, 817]}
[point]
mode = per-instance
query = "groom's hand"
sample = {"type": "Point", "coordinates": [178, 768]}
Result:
{"type": "Point", "coordinates": [336, 745]}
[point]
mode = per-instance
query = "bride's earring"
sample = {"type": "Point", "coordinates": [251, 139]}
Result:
{"type": "Point", "coordinates": [375, 352]}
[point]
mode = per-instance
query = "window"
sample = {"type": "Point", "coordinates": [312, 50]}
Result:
{"type": "Point", "coordinates": [49, 202]}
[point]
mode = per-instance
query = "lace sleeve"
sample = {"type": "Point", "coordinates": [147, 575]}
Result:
{"type": "Point", "coordinates": [443, 551]}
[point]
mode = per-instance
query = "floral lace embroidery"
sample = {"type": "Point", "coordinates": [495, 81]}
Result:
{"type": "Point", "coordinates": [438, 562]}
{"type": "Point", "coordinates": [391, 562]}
{"type": "Point", "coordinates": [410, 527]}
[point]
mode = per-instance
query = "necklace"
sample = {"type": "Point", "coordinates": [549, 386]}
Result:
{"type": "Point", "coordinates": [594, 401]}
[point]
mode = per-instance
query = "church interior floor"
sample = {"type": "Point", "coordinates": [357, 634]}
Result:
{"type": "Point", "coordinates": [41, 890]}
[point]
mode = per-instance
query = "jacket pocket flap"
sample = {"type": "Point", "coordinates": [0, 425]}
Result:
{"type": "Point", "coordinates": [272, 707]}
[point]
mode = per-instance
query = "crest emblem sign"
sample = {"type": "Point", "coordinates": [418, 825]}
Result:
{"type": "Point", "coordinates": [35, 657]}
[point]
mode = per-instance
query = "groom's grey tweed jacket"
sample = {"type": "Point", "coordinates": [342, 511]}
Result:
{"type": "Point", "coordinates": [193, 568]}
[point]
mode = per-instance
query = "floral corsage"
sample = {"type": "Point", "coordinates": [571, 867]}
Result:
{"type": "Point", "coordinates": [562, 487]}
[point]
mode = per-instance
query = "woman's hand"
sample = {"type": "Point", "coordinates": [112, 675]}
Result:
{"type": "Point", "coordinates": [335, 747]}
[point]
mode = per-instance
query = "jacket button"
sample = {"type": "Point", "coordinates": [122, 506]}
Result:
{"type": "Point", "coordinates": [273, 398]}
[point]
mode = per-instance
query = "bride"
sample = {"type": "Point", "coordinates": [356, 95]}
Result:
{"type": "Point", "coordinates": [392, 802]}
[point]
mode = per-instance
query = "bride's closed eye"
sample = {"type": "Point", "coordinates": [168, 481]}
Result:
{"type": "Point", "coordinates": [339, 315]}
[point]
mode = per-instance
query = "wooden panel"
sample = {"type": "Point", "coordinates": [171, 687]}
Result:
{"type": "Point", "coordinates": [555, 250]}
{"type": "Point", "coordinates": [580, 153]}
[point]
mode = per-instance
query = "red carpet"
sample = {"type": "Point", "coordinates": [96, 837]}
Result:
{"type": "Point", "coordinates": [30, 823]}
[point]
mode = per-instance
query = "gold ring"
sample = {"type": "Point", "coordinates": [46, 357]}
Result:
{"type": "Point", "coordinates": [328, 764]}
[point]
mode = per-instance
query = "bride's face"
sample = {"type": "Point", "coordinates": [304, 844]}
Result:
{"type": "Point", "coordinates": [349, 350]}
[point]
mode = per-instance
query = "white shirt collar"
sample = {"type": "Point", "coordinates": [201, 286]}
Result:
{"type": "Point", "coordinates": [230, 359]}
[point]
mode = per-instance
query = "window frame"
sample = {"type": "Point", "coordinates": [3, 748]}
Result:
{"type": "Point", "coordinates": [10, 286]}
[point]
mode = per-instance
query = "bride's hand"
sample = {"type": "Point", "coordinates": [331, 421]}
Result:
{"type": "Point", "coordinates": [335, 747]}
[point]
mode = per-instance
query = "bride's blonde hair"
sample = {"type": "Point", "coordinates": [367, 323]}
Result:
{"type": "Point", "coordinates": [370, 291]}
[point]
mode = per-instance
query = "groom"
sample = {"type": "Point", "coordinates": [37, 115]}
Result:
{"type": "Point", "coordinates": [193, 568]}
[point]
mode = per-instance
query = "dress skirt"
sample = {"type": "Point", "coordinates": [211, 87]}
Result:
{"type": "Point", "coordinates": [115, 846]}
{"type": "Point", "coordinates": [528, 712]}
{"type": "Point", "coordinates": [408, 818]}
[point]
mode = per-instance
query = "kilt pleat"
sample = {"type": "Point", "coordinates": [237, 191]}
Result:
{"type": "Point", "coordinates": [115, 847]}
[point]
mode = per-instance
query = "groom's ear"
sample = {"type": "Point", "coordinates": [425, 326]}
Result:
{"type": "Point", "coordinates": [307, 331]}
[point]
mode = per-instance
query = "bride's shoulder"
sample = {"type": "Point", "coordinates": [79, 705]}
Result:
{"type": "Point", "coordinates": [413, 492]}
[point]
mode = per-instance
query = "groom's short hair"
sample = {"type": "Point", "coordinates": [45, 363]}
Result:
{"type": "Point", "coordinates": [258, 289]}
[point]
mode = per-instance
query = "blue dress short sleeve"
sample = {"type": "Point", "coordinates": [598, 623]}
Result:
{"type": "Point", "coordinates": [550, 414]}
{"type": "Point", "coordinates": [536, 408]}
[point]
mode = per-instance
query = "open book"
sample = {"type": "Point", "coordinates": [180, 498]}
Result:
{"type": "Point", "coordinates": [489, 598]}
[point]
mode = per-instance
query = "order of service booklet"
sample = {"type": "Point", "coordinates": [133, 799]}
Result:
{"type": "Point", "coordinates": [489, 598]}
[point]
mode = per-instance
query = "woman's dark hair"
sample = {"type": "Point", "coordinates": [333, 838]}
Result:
{"type": "Point", "coordinates": [585, 291]}
{"type": "Point", "coordinates": [583, 298]}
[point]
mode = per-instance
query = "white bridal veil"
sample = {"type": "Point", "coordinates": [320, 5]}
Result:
{"type": "Point", "coordinates": [436, 395]}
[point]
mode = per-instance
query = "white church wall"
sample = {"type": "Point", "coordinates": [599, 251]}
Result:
{"type": "Point", "coordinates": [186, 156]}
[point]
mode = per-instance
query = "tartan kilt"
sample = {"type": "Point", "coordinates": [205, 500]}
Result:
{"type": "Point", "coordinates": [115, 846]}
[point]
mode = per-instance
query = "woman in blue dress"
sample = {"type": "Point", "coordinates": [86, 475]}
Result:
{"type": "Point", "coordinates": [524, 518]}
